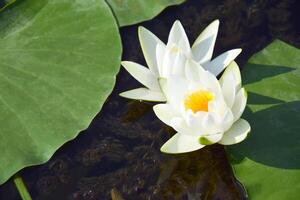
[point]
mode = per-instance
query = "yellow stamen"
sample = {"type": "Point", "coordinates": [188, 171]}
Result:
{"type": "Point", "coordinates": [198, 101]}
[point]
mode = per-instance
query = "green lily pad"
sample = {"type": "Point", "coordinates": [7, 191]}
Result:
{"type": "Point", "coordinates": [130, 12]}
{"type": "Point", "coordinates": [268, 162]}
{"type": "Point", "coordinates": [58, 62]}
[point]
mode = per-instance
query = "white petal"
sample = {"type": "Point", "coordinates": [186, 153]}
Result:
{"type": "Point", "coordinates": [239, 104]}
{"type": "Point", "coordinates": [209, 82]}
{"type": "Point", "coordinates": [204, 45]}
{"type": "Point", "coordinates": [179, 124]}
{"type": "Point", "coordinates": [210, 139]}
{"type": "Point", "coordinates": [237, 133]}
{"type": "Point", "coordinates": [193, 70]}
{"type": "Point", "coordinates": [160, 54]}
{"type": "Point", "coordinates": [184, 46]}
{"type": "Point", "coordinates": [201, 123]}
{"type": "Point", "coordinates": [165, 113]}
{"type": "Point", "coordinates": [143, 94]}
{"type": "Point", "coordinates": [227, 120]}
{"type": "Point", "coordinates": [163, 84]}
{"type": "Point", "coordinates": [175, 90]}
{"type": "Point", "coordinates": [173, 63]}
{"type": "Point", "coordinates": [167, 64]}
{"type": "Point", "coordinates": [181, 143]}
{"type": "Point", "coordinates": [210, 124]}
{"type": "Point", "coordinates": [178, 36]}
{"type": "Point", "coordinates": [148, 43]}
{"type": "Point", "coordinates": [218, 108]}
{"type": "Point", "coordinates": [228, 88]}
{"type": "Point", "coordinates": [178, 66]}
{"type": "Point", "coordinates": [142, 74]}
{"type": "Point", "coordinates": [217, 65]}
{"type": "Point", "coordinates": [233, 70]}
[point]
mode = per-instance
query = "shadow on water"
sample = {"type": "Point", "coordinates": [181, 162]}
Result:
{"type": "Point", "coordinates": [265, 71]}
{"type": "Point", "coordinates": [254, 98]}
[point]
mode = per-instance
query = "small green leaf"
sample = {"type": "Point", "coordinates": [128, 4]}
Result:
{"type": "Point", "coordinates": [130, 12]}
{"type": "Point", "coordinates": [268, 161]}
{"type": "Point", "coordinates": [58, 62]}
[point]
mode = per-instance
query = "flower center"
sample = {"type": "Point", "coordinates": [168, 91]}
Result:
{"type": "Point", "coordinates": [198, 101]}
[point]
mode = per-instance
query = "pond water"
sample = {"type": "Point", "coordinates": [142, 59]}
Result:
{"type": "Point", "coordinates": [118, 156]}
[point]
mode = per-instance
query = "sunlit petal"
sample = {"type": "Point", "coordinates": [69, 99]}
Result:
{"type": "Point", "coordinates": [217, 65]}
{"type": "Point", "coordinates": [237, 133]}
{"type": "Point", "coordinates": [148, 43]}
{"type": "Point", "coordinates": [204, 45]}
{"type": "Point", "coordinates": [144, 94]}
{"type": "Point", "coordinates": [239, 104]}
{"type": "Point", "coordinates": [181, 143]}
{"type": "Point", "coordinates": [142, 74]}
{"type": "Point", "coordinates": [165, 113]}
{"type": "Point", "coordinates": [178, 36]}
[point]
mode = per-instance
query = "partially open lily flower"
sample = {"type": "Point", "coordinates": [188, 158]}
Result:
{"type": "Point", "coordinates": [168, 59]}
{"type": "Point", "coordinates": [202, 109]}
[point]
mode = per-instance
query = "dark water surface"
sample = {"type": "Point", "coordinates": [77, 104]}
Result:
{"type": "Point", "coordinates": [118, 156]}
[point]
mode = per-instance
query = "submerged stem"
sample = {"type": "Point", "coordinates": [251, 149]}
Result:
{"type": "Point", "coordinates": [22, 189]}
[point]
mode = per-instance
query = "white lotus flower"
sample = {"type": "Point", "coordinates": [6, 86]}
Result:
{"type": "Point", "coordinates": [202, 109]}
{"type": "Point", "coordinates": [165, 60]}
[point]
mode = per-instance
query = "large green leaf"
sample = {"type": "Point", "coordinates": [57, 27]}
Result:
{"type": "Point", "coordinates": [268, 162]}
{"type": "Point", "coordinates": [58, 61]}
{"type": "Point", "coordinates": [130, 12]}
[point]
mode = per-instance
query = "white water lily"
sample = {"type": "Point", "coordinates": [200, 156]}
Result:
{"type": "Point", "coordinates": [202, 109]}
{"type": "Point", "coordinates": [169, 59]}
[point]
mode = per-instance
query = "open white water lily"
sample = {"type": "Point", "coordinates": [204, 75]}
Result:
{"type": "Point", "coordinates": [202, 109]}
{"type": "Point", "coordinates": [169, 59]}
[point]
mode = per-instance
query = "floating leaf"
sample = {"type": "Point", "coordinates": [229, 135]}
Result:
{"type": "Point", "coordinates": [58, 62]}
{"type": "Point", "coordinates": [130, 12]}
{"type": "Point", "coordinates": [268, 162]}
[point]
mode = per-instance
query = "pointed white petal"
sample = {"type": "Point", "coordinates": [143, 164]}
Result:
{"type": "Point", "coordinates": [229, 89]}
{"type": "Point", "coordinates": [142, 74]}
{"type": "Point", "coordinates": [175, 90]}
{"type": "Point", "coordinates": [148, 43]}
{"type": "Point", "coordinates": [173, 63]}
{"type": "Point", "coordinates": [239, 104]}
{"type": "Point", "coordinates": [204, 45]}
{"type": "Point", "coordinates": [217, 65]}
{"type": "Point", "coordinates": [160, 55]}
{"type": "Point", "coordinates": [234, 70]}
{"type": "Point", "coordinates": [181, 143]}
{"type": "Point", "coordinates": [210, 83]}
{"type": "Point", "coordinates": [210, 139]}
{"type": "Point", "coordinates": [165, 113]}
{"type": "Point", "coordinates": [196, 73]}
{"type": "Point", "coordinates": [167, 64]}
{"type": "Point", "coordinates": [178, 36]}
{"type": "Point", "coordinates": [201, 123]}
{"type": "Point", "coordinates": [163, 84]}
{"type": "Point", "coordinates": [143, 94]}
{"type": "Point", "coordinates": [193, 70]}
{"type": "Point", "coordinates": [184, 46]}
{"type": "Point", "coordinates": [179, 124]}
{"type": "Point", "coordinates": [227, 120]}
{"type": "Point", "coordinates": [178, 66]}
{"type": "Point", "coordinates": [237, 133]}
